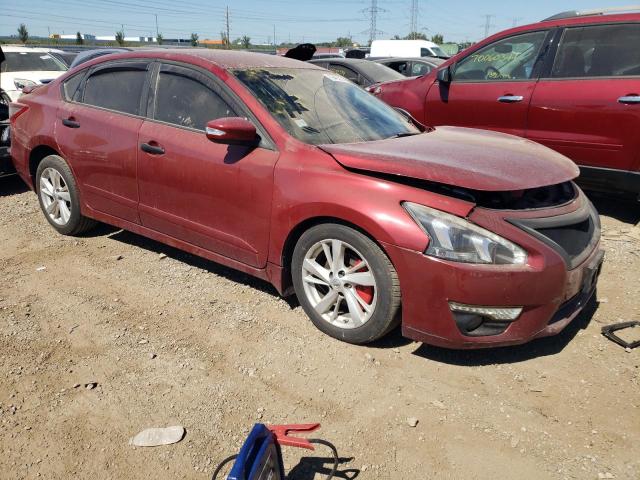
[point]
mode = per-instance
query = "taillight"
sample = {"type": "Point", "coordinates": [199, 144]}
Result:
{"type": "Point", "coordinates": [16, 109]}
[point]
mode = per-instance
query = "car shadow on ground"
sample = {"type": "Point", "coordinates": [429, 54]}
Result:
{"type": "Point", "coordinates": [12, 185]}
{"type": "Point", "coordinates": [622, 209]}
{"type": "Point", "coordinates": [514, 354]}
{"type": "Point", "coordinates": [139, 241]}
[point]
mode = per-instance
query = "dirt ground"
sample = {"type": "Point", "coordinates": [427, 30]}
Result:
{"type": "Point", "coordinates": [177, 340]}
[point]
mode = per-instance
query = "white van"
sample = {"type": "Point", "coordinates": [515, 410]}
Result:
{"type": "Point", "coordinates": [406, 48]}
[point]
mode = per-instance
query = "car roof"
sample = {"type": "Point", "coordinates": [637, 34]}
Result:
{"type": "Point", "coordinates": [224, 59]}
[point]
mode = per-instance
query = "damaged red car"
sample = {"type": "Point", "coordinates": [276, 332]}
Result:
{"type": "Point", "coordinates": [291, 173]}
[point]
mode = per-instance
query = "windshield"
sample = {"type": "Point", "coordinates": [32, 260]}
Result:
{"type": "Point", "coordinates": [317, 106]}
{"type": "Point", "coordinates": [31, 62]}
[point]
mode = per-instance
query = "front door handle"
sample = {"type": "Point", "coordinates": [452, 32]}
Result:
{"type": "Point", "coordinates": [70, 122]}
{"type": "Point", "coordinates": [629, 99]}
{"type": "Point", "coordinates": [152, 149]}
{"type": "Point", "coordinates": [510, 98]}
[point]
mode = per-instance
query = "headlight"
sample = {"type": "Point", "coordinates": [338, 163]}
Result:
{"type": "Point", "coordinates": [453, 238]}
{"type": "Point", "coordinates": [21, 83]}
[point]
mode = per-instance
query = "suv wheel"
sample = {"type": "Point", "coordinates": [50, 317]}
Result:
{"type": "Point", "coordinates": [59, 197]}
{"type": "Point", "coordinates": [345, 283]}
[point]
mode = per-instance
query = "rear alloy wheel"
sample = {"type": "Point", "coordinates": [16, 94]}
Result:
{"type": "Point", "coordinates": [59, 198]}
{"type": "Point", "coordinates": [345, 283]}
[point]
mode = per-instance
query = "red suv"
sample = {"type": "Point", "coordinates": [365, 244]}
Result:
{"type": "Point", "coordinates": [293, 174]}
{"type": "Point", "coordinates": [571, 82]}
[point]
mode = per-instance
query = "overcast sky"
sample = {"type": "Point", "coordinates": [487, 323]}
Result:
{"type": "Point", "coordinates": [308, 20]}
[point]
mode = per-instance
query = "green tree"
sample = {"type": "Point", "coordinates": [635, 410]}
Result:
{"type": "Point", "coordinates": [344, 42]}
{"type": "Point", "coordinates": [245, 41]}
{"type": "Point", "coordinates": [416, 36]}
{"type": "Point", "coordinates": [120, 37]}
{"type": "Point", "coordinates": [23, 33]}
{"type": "Point", "coordinates": [194, 39]}
{"type": "Point", "coordinates": [159, 38]}
{"type": "Point", "coordinates": [396, 37]}
{"type": "Point", "coordinates": [437, 38]}
{"type": "Point", "coordinates": [79, 39]}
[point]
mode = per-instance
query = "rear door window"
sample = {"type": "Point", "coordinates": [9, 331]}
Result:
{"type": "Point", "coordinates": [599, 51]}
{"type": "Point", "coordinates": [117, 87]}
{"type": "Point", "coordinates": [511, 58]}
{"type": "Point", "coordinates": [70, 86]}
{"type": "Point", "coordinates": [345, 72]}
{"type": "Point", "coordinates": [400, 67]}
{"type": "Point", "coordinates": [182, 98]}
{"type": "Point", "coordinates": [418, 69]}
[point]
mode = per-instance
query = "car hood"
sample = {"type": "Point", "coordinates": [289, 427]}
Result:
{"type": "Point", "coordinates": [463, 157]}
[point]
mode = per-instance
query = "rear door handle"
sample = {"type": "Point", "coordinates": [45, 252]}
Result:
{"type": "Point", "coordinates": [152, 149]}
{"type": "Point", "coordinates": [510, 98]}
{"type": "Point", "coordinates": [70, 122]}
{"type": "Point", "coordinates": [629, 99]}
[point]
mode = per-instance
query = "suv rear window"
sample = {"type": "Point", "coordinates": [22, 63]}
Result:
{"type": "Point", "coordinates": [31, 62]}
{"type": "Point", "coordinates": [118, 90]}
{"type": "Point", "coordinates": [599, 51]}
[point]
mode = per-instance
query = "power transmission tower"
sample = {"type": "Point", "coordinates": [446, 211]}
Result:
{"type": "Point", "coordinates": [488, 25]}
{"type": "Point", "coordinates": [157, 31]}
{"type": "Point", "coordinates": [516, 20]}
{"type": "Point", "coordinates": [228, 42]}
{"type": "Point", "coordinates": [373, 12]}
{"type": "Point", "coordinates": [413, 22]}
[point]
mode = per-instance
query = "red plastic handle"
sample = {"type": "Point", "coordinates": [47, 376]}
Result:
{"type": "Point", "coordinates": [281, 432]}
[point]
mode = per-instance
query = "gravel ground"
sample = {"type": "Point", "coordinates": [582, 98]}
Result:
{"type": "Point", "coordinates": [106, 335]}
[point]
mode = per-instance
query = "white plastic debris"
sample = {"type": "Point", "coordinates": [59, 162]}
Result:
{"type": "Point", "coordinates": [154, 437]}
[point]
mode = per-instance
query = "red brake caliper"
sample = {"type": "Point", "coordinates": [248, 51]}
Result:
{"type": "Point", "coordinates": [365, 292]}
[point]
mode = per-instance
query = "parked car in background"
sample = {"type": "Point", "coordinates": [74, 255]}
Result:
{"type": "Point", "coordinates": [410, 67]}
{"type": "Point", "coordinates": [295, 175]}
{"type": "Point", "coordinates": [28, 67]}
{"type": "Point", "coordinates": [318, 56]}
{"type": "Point", "coordinates": [87, 55]}
{"type": "Point", "coordinates": [406, 48]}
{"type": "Point", "coordinates": [571, 82]}
{"type": "Point", "coordinates": [63, 55]}
{"type": "Point", "coordinates": [361, 72]}
{"type": "Point", "coordinates": [6, 166]}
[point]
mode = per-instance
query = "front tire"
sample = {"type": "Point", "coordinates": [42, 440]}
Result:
{"type": "Point", "coordinates": [345, 283]}
{"type": "Point", "coordinates": [59, 197]}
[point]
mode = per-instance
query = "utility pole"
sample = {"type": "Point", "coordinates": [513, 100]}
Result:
{"type": "Point", "coordinates": [373, 11]}
{"type": "Point", "coordinates": [228, 45]}
{"type": "Point", "coordinates": [413, 22]}
{"type": "Point", "coordinates": [122, 27]}
{"type": "Point", "coordinates": [487, 24]}
{"type": "Point", "coordinates": [274, 36]}
{"type": "Point", "coordinates": [157, 31]}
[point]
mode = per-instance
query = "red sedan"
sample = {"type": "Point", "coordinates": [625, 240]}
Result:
{"type": "Point", "coordinates": [291, 173]}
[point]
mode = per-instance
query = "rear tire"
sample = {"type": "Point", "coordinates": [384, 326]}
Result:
{"type": "Point", "coordinates": [345, 283]}
{"type": "Point", "coordinates": [59, 197]}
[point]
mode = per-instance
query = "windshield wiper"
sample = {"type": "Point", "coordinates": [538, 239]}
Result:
{"type": "Point", "coordinates": [404, 134]}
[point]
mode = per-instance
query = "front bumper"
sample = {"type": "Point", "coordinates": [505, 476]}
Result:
{"type": "Point", "coordinates": [551, 294]}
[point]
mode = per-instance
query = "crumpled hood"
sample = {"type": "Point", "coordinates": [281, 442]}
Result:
{"type": "Point", "coordinates": [463, 157]}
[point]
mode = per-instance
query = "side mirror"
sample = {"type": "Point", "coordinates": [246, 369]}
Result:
{"type": "Point", "coordinates": [444, 75]}
{"type": "Point", "coordinates": [232, 131]}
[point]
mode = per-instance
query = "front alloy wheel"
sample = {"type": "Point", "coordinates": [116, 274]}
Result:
{"type": "Point", "coordinates": [339, 283]}
{"type": "Point", "coordinates": [345, 283]}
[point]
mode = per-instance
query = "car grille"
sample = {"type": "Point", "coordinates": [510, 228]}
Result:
{"type": "Point", "coordinates": [573, 236]}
